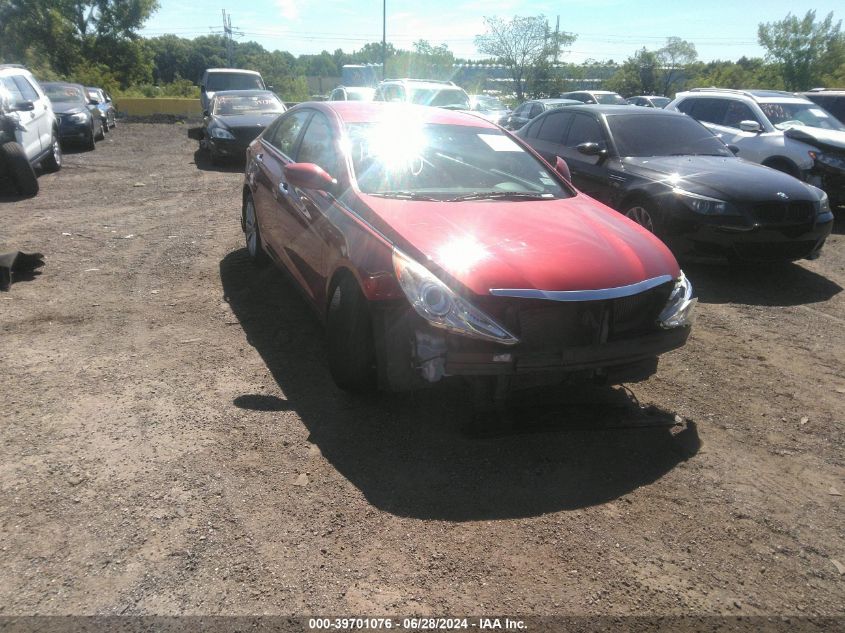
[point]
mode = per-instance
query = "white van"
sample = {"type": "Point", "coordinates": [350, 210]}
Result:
{"type": "Point", "coordinates": [217, 79]}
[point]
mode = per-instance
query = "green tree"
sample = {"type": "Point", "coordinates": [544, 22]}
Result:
{"type": "Point", "coordinates": [521, 44]}
{"type": "Point", "coordinates": [672, 59]}
{"type": "Point", "coordinates": [805, 50]}
{"type": "Point", "coordinates": [637, 75]}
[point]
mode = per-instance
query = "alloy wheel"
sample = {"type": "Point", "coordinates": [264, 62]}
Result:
{"type": "Point", "coordinates": [250, 229]}
{"type": "Point", "coordinates": [641, 216]}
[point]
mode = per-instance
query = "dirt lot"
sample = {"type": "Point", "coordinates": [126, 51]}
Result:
{"type": "Point", "coordinates": [171, 442]}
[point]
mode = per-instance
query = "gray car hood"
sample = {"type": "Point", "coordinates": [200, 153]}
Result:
{"type": "Point", "coordinates": [819, 137]}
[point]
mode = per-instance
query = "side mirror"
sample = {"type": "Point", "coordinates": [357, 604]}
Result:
{"type": "Point", "coordinates": [750, 126]}
{"type": "Point", "coordinates": [591, 149]}
{"type": "Point", "coordinates": [563, 169]}
{"type": "Point", "coordinates": [308, 176]}
{"type": "Point", "coordinates": [93, 102]}
{"type": "Point", "coordinates": [734, 149]}
{"type": "Point", "coordinates": [270, 88]}
{"type": "Point", "coordinates": [24, 106]}
{"type": "Point", "coordinates": [202, 88]}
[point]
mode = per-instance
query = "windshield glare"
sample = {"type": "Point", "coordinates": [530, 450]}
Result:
{"type": "Point", "coordinates": [70, 94]}
{"type": "Point", "coordinates": [233, 81]}
{"type": "Point", "coordinates": [488, 103]}
{"type": "Point", "coordinates": [439, 97]}
{"type": "Point", "coordinates": [255, 104]}
{"type": "Point", "coordinates": [651, 135]}
{"type": "Point", "coordinates": [787, 115]}
{"type": "Point", "coordinates": [444, 161]}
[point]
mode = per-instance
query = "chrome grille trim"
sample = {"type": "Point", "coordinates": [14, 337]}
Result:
{"type": "Point", "coordinates": [583, 295]}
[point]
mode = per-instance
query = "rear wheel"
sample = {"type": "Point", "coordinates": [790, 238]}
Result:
{"type": "Point", "coordinates": [252, 233]}
{"type": "Point", "coordinates": [349, 330]}
{"type": "Point", "coordinates": [53, 162]}
{"type": "Point", "coordinates": [19, 168]}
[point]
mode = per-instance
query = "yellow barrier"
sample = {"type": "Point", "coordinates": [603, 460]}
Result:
{"type": "Point", "coordinates": [142, 106]}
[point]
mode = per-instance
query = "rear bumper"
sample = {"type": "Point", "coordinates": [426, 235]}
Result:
{"type": "Point", "coordinates": [412, 354]}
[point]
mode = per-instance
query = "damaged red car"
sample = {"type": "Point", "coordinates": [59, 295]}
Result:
{"type": "Point", "coordinates": [432, 243]}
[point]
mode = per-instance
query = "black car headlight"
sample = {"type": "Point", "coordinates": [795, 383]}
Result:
{"type": "Point", "coordinates": [219, 132]}
{"type": "Point", "coordinates": [79, 117]}
{"type": "Point", "coordinates": [680, 308]}
{"type": "Point", "coordinates": [439, 305]}
{"type": "Point", "coordinates": [824, 204]}
{"type": "Point", "coordinates": [704, 205]}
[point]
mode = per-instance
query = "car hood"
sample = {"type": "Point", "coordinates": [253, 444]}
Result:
{"type": "Point", "coordinates": [566, 244]}
{"type": "Point", "coordinates": [721, 177]}
{"type": "Point", "coordinates": [61, 107]}
{"type": "Point", "coordinates": [817, 136]}
{"type": "Point", "coordinates": [246, 120]}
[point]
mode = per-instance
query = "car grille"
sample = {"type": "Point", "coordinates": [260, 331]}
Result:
{"type": "Point", "coordinates": [781, 213]}
{"type": "Point", "coordinates": [246, 135]}
{"type": "Point", "coordinates": [544, 325]}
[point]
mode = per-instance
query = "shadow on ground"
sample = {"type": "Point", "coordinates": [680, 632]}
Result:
{"type": "Point", "coordinates": [775, 285]}
{"type": "Point", "coordinates": [411, 455]}
{"type": "Point", "coordinates": [203, 161]}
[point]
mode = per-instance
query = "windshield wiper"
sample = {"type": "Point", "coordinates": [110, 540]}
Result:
{"type": "Point", "coordinates": [502, 195]}
{"type": "Point", "coordinates": [405, 195]}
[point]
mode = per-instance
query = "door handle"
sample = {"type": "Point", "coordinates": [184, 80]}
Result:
{"type": "Point", "coordinates": [259, 158]}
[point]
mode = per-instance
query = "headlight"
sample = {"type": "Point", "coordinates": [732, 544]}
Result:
{"type": "Point", "coordinates": [829, 160]}
{"type": "Point", "coordinates": [702, 204]}
{"type": "Point", "coordinates": [436, 303]}
{"type": "Point", "coordinates": [824, 204]}
{"type": "Point", "coordinates": [79, 117]}
{"type": "Point", "coordinates": [679, 308]}
{"type": "Point", "coordinates": [219, 132]}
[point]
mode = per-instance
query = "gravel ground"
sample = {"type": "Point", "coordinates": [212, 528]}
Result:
{"type": "Point", "coordinates": [171, 442]}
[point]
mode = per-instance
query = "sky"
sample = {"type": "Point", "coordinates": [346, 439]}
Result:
{"type": "Point", "coordinates": [605, 29]}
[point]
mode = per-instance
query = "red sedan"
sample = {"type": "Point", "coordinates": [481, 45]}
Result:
{"type": "Point", "coordinates": [432, 243]}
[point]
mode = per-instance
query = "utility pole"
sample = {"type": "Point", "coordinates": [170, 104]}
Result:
{"type": "Point", "coordinates": [227, 36]}
{"type": "Point", "coordinates": [384, 39]}
{"type": "Point", "coordinates": [557, 38]}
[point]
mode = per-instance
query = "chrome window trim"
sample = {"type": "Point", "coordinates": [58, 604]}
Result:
{"type": "Point", "coordinates": [583, 295]}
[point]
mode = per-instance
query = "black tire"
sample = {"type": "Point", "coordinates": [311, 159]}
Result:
{"type": "Point", "coordinates": [252, 233]}
{"type": "Point", "coordinates": [90, 142]}
{"type": "Point", "coordinates": [53, 162]}
{"type": "Point", "coordinates": [19, 168]}
{"type": "Point", "coordinates": [349, 332]}
{"type": "Point", "coordinates": [113, 120]}
{"type": "Point", "coordinates": [215, 158]}
{"type": "Point", "coordinates": [785, 166]}
{"type": "Point", "coordinates": [101, 133]}
{"type": "Point", "coordinates": [644, 213]}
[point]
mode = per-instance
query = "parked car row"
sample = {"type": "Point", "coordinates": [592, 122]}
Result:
{"type": "Point", "coordinates": [36, 119]}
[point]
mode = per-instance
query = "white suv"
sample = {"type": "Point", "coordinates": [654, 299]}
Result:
{"type": "Point", "coordinates": [777, 129]}
{"type": "Point", "coordinates": [29, 132]}
{"type": "Point", "coordinates": [430, 92]}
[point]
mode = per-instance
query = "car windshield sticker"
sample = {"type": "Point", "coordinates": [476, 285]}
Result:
{"type": "Point", "coordinates": [819, 113]}
{"type": "Point", "coordinates": [500, 143]}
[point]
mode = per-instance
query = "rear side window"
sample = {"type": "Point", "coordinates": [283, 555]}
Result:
{"type": "Point", "coordinates": [552, 127]}
{"type": "Point", "coordinates": [287, 131]}
{"type": "Point", "coordinates": [584, 129]}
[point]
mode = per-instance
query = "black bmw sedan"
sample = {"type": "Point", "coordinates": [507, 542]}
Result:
{"type": "Point", "coordinates": [235, 118]}
{"type": "Point", "coordinates": [670, 174]}
{"type": "Point", "coordinates": [79, 119]}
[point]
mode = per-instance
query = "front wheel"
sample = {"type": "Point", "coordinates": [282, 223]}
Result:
{"type": "Point", "coordinates": [643, 213]}
{"type": "Point", "coordinates": [53, 162]}
{"type": "Point", "coordinates": [90, 142]}
{"type": "Point", "coordinates": [349, 331]}
{"type": "Point", "coordinates": [101, 133]}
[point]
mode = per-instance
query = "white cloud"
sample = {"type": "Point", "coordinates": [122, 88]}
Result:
{"type": "Point", "coordinates": [288, 9]}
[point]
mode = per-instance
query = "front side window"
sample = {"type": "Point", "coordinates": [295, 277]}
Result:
{"type": "Point", "coordinates": [584, 129]}
{"type": "Point", "coordinates": [287, 131]}
{"type": "Point", "coordinates": [553, 126]}
{"type": "Point", "coordinates": [29, 93]}
{"type": "Point", "coordinates": [318, 145]}
{"type": "Point", "coordinates": [736, 113]}
{"type": "Point", "coordinates": [445, 162]}
{"type": "Point", "coordinates": [645, 135]}
{"type": "Point", "coordinates": [13, 89]}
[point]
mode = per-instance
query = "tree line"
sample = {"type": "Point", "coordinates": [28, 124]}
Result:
{"type": "Point", "coordinates": [96, 42]}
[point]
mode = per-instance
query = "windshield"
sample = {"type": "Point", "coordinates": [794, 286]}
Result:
{"type": "Point", "coordinates": [646, 135]}
{"type": "Point", "coordinates": [440, 97]}
{"type": "Point", "coordinates": [787, 115]}
{"type": "Point", "coordinates": [69, 94]}
{"type": "Point", "coordinates": [488, 103]}
{"type": "Point", "coordinates": [611, 99]}
{"type": "Point", "coordinates": [445, 162]}
{"type": "Point", "coordinates": [659, 102]}
{"type": "Point", "coordinates": [360, 94]}
{"type": "Point", "coordinates": [233, 81]}
{"type": "Point", "coordinates": [251, 104]}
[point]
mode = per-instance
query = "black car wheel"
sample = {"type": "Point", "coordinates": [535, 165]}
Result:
{"type": "Point", "coordinates": [349, 331]}
{"type": "Point", "coordinates": [101, 133]}
{"type": "Point", "coordinates": [252, 233]}
{"type": "Point", "coordinates": [642, 212]}
{"type": "Point", "coordinates": [53, 162]}
{"type": "Point", "coordinates": [113, 120]}
{"type": "Point", "coordinates": [90, 142]}
{"type": "Point", "coordinates": [19, 168]}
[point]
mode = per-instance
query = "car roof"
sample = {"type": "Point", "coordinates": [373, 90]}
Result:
{"type": "Point", "coordinates": [760, 96]}
{"type": "Point", "coordinates": [375, 111]}
{"type": "Point", "coordinates": [232, 70]}
{"type": "Point", "coordinates": [553, 101]}
{"type": "Point", "coordinates": [623, 109]}
{"type": "Point", "coordinates": [424, 83]}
